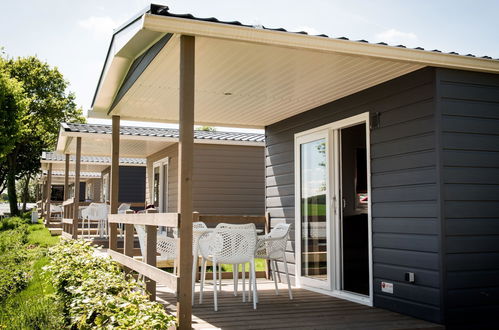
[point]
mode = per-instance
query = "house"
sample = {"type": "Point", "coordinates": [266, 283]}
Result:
{"type": "Point", "coordinates": [229, 166]}
{"type": "Point", "coordinates": [90, 182]}
{"type": "Point", "coordinates": [385, 159]}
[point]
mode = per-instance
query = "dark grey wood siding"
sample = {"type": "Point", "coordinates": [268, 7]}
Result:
{"type": "Point", "coordinates": [132, 184]}
{"type": "Point", "coordinates": [469, 115]}
{"type": "Point", "coordinates": [405, 206]}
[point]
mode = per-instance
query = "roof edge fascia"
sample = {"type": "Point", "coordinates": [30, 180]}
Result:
{"type": "Point", "coordinates": [166, 24]}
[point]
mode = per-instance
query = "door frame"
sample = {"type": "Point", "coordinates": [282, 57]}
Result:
{"type": "Point", "coordinates": [331, 131]}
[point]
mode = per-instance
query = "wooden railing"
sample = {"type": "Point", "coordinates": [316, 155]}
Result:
{"type": "Point", "coordinates": [147, 266]}
{"type": "Point", "coordinates": [68, 220]}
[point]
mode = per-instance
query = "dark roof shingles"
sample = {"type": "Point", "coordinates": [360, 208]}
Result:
{"type": "Point", "coordinates": [164, 11]}
{"type": "Point", "coordinates": [164, 132]}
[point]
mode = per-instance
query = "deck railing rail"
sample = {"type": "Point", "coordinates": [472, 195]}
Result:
{"type": "Point", "coordinates": [151, 220]}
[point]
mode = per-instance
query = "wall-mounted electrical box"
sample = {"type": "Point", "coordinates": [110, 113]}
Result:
{"type": "Point", "coordinates": [409, 277]}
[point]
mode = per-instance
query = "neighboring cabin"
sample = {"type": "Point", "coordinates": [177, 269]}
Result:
{"type": "Point", "coordinates": [229, 175]}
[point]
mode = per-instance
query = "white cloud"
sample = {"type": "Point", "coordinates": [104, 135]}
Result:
{"type": "Point", "coordinates": [394, 36]}
{"type": "Point", "coordinates": [100, 26]}
{"type": "Point", "coordinates": [310, 30]}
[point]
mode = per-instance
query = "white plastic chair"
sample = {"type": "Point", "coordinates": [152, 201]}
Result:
{"type": "Point", "coordinates": [122, 210]}
{"type": "Point", "coordinates": [228, 244]}
{"type": "Point", "coordinates": [165, 246]}
{"type": "Point", "coordinates": [273, 248]}
{"type": "Point", "coordinates": [56, 211]}
{"type": "Point", "coordinates": [96, 212]}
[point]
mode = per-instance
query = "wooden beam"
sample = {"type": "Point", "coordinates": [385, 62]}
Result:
{"type": "Point", "coordinates": [185, 160]}
{"type": "Point", "coordinates": [77, 188]}
{"type": "Point", "coordinates": [66, 178]}
{"type": "Point", "coordinates": [153, 219]}
{"type": "Point", "coordinates": [156, 274]}
{"type": "Point", "coordinates": [115, 180]}
{"type": "Point", "coordinates": [49, 193]}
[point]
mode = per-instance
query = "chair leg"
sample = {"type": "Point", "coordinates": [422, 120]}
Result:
{"type": "Point", "coordinates": [175, 268]}
{"type": "Point", "coordinates": [215, 304]}
{"type": "Point", "coordinates": [287, 275]}
{"type": "Point", "coordinates": [250, 284]}
{"type": "Point", "coordinates": [253, 277]}
{"type": "Point", "coordinates": [194, 273]}
{"type": "Point", "coordinates": [203, 276]}
{"type": "Point", "coordinates": [244, 281]}
{"type": "Point", "coordinates": [220, 278]}
{"type": "Point", "coordinates": [235, 276]}
{"type": "Point", "coordinates": [274, 277]}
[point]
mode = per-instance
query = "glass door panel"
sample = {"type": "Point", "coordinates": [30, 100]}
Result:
{"type": "Point", "coordinates": [314, 238]}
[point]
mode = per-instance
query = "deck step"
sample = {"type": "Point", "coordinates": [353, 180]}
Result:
{"type": "Point", "coordinates": [54, 225]}
{"type": "Point", "coordinates": [55, 231]}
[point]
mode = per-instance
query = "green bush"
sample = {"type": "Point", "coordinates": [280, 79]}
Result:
{"type": "Point", "coordinates": [12, 223]}
{"type": "Point", "coordinates": [14, 261]}
{"type": "Point", "coordinates": [96, 293]}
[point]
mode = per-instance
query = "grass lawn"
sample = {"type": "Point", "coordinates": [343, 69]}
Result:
{"type": "Point", "coordinates": [260, 265]}
{"type": "Point", "coordinates": [35, 307]}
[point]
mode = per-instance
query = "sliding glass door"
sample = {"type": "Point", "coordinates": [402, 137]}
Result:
{"type": "Point", "coordinates": [332, 209]}
{"type": "Point", "coordinates": [313, 195]}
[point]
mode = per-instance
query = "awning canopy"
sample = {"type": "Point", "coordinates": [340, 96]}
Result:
{"type": "Point", "coordinates": [246, 76]}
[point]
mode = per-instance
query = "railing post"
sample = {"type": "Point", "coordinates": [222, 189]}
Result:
{"type": "Point", "coordinates": [150, 257]}
{"type": "Point", "coordinates": [128, 244]}
{"type": "Point", "coordinates": [49, 194]}
{"type": "Point", "coordinates": [76, 199]}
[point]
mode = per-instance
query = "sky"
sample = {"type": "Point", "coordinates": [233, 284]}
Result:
{"type": "Point", "coordinates": [74, 35]}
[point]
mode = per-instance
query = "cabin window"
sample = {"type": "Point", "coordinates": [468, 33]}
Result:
{"type": "Point", "coordinates": [160, 185]}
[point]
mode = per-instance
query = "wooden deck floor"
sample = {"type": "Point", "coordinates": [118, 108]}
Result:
{"type": "Point", "coordinates": [308, 310]}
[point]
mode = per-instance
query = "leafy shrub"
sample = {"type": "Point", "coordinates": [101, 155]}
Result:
{"type": "Point", "coordinates": [97, 294]}
{"type": "Point", "coordinates": [12, 223]}
{"type": "Point", "coordinates": [14, 270]}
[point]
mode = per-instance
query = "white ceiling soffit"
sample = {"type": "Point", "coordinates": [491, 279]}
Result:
{"type": "Point", "coordinates": [84, 167]}
{"type": "Point", "coordinates": [100, 145]}
{"type": "Point", "coordinates": [254, 85]}
{"type": "Point", "coordinates": [247, 77]}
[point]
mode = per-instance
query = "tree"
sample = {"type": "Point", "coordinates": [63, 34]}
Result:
{"type": "Point", "coordinates": [13, 107]}
{"type": "Point", "coordinates": [49, 104]}
{"type": "Point", "coordinates": [206, 128]}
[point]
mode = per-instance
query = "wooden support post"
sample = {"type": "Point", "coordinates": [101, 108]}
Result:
{"type": "Point", "coordinates": [150, 258]}
{"type": "Point", "coordinates": [115, 181]}
{"type": "Point", "coordinates": [66, 178]}
{"type": "Point", "coordinates": [44, 193]}
{"type": "Point", "coordinates": [185, 159]}
{"type": "Point", "coordinates": [76, 199]}
{"type": "Point", "coordinates": [49, 194]}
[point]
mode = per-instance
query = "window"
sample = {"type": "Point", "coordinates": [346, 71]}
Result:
{"type": "Point", "coordinates": [159, 191]}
